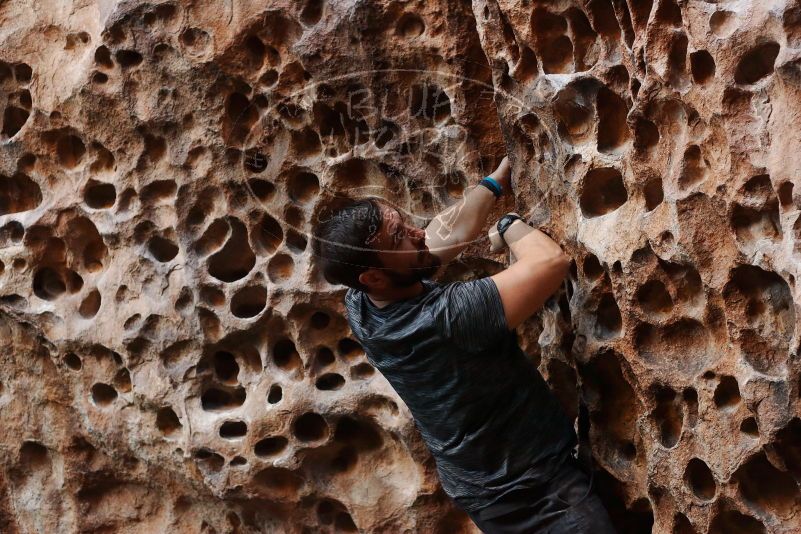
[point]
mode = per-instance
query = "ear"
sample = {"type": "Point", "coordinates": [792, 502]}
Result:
{"type": "Point", "coordinates": [373, 278]}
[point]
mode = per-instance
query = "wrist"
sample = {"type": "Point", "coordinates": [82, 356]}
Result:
{"type": "Point", "coordinates": [493, 185]}
{"type": "Point", "coordinates": [515, 231]}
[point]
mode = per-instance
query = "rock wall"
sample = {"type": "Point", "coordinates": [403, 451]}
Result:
{"type": "Point", "coordinates": [173, 361]}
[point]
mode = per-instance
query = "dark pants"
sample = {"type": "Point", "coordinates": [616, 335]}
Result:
{"type": "Point", "coordinates": [566, 504]}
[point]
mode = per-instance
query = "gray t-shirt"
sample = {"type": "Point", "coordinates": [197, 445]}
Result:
{"type": "Point", "coordinates": [484, 411]}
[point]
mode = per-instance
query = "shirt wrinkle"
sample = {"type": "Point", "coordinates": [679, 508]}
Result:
{"type": "Point", "coordinates": [485, 413]}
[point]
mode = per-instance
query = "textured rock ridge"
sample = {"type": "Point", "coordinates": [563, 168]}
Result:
{"type": "Point", "coordinates": [172, 360]}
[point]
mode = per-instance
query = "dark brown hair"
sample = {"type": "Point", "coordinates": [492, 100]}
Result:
{"type": "Point", "coordinates": [342, 242]}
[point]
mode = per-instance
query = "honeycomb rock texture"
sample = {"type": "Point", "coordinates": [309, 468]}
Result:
{"type": "Point", "coordinates": [171, 359]}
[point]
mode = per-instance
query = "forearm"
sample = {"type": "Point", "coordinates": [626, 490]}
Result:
{"type": "Point", "coordinates": [526, 242]}
{"type": "Point", "coordinates": [461, 223]}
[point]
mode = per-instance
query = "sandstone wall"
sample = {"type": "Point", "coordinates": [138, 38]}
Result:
{"type": "Point", "coordinates": [172, 361]}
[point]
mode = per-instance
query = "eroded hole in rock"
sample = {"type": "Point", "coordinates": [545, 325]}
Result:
{"type": "Point", "coordinates": [765, 486]}
{"type": "Point", "coordinates": [256, 50]}
{"type": "Point", "coordinates": [677, 62]}
{"type": "Point", "coordinates": [73, 361]}
{"type": "Point", "coordinates": [211, 295]}
{"type": "Point", "coordinates": [235, 260]}
{"type": "Point", "coordinates": [233, 430]}
{"type": "Point", "coordinates": [702, 66]}
{"type": "Point", "coordinates": [128, 58]}
{"type": "Point", "coordinates": [329, 382]}
{"type": "Point", "coordinates": [103, 394]}
{"type": "Point", "coordinates": [122, 381]}
{"type": "Point", "coordinates": [99, 195]}
{"type": "Point", "coordinates": [249, 301]}
{"type": "Point", "coordinates": [668, 13]}
{"type": "Point", "coordinates": [786, 193]}
{"type": "Point", "coordinates": [302, 186]}
{"type": "Point", "coordinates": [592, 267]}
{"type": "Point", "coordinates": [312, 12]}
{"type": "Point", "coordinates": [213, 238]}
{"type": "Point", "coordinates": [70, 150]}
{"type": "Point", "coordinates": [167, 421]}
{"type": "Point", "coordinates": [14, 118]}
{"type": "Point", "coordinates": [667, 416]}
{"type": "Point", "coordinates": [162, 249]}
{"type": "Point", "coordinates": [48, 284]}
{"type": "Point", "coordinates": [209, 459]}
{"type": "Point", "coordinates": [410, 25]}
{"type": "Point", "coordinates": [682, 525]}
{"type": "Point", "coordinates": [286, 356]}
{"type": "Point", "coordinates": [653, 296]}
{"type": "Point", "coordinates": [760, 307]}
{"type": "Point", "coordinates": [18, 193]}
{"type": "Point", "coordinates": [613, 131]}
{"type": "Point", "coordinates": [90, 304]}
{"type": "Point", "coordinates": [603, 18]}
{"type": "Point", "coordinates": [349, 349]}
{"type": "Point", "coordinates": [310, 427]}
{"type": "Point", "coordinates": [361, 371]}
{"type": "Point", "coordinates": [319, 320]}
{"type": "Point", "coordinates": [722, 23]}
{"type": "Point", "coordinates": [749, 427]}
{"type": "Point", "coordinates": [254, 161]}
{"type": "Point", "coordinates": [324, 357]}
{"type": "Point", "coordinates": [608, 321]}
{"type": "Point", "coordinates": [278, 482]}
{"type": "Point", "coordinates": [360, 434]}
{"type": "Point", "coordinates": [757, 63]}
{"type": "Point", "coordinates": [693, 168]}
{"type": "Point", "coordinates": [788, 445]}
{"type": "Point", "coordinates": [275, 394]}
{"type": "Point", "coordinates": [158, 191]}
{"type": "Point", "coordinates": [296, 241]}
{"type": "Point", "coordinates": [226, 368]}
{"type": "Point", "coordinates": [613, 405]}
{"type": "Point", "coordinates": [429, 102]}
{"type": "Point", "coordinates": [602, 192]}
{"type": "Point", "coordinates": [270, 446]}
{"type": "Point", "coordinates": [700, 480]}
{"type": "Point", "coordinates": [554, 46]}
{"type": "Point", "coordinates": [728, 521]}
{"type": "Point", "coordinates": [586, 49]}
{"type": "Point", "coordinates": [220, 399]}
{"type": "Point", "coordinates": [33, 456]}
{"type": "Point", "coordinates": [727, 393]}
{"type": "Point", "coordinates": [646, 135]}
{"type": "Point", "coordinates": [262, 189]}
{"type": "Point", "coordinates": [654, 195]}
{"type": "Point", "coordinates": [280, 267]}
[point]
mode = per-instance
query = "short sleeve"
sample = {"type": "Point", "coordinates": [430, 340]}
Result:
{"type": "Point", "coordinates": [472, 314]}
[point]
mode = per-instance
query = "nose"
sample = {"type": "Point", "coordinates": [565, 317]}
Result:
{"type": "Point", "coordinates": [418, 234]}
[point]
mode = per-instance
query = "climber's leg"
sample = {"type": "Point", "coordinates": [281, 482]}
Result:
{"type": "Point", "coordinates": [568, 505]}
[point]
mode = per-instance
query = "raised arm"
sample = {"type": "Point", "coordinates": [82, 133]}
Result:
{"type": "Point", "coordinates": [451, 231]}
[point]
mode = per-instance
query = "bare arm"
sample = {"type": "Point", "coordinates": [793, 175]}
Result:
{"type": "Point", "coordinates": [451, 231]}
{"type": "Point", "coordinates": [540, 268]}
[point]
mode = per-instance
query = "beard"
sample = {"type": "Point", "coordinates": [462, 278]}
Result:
{"type": "Point", "coordinates": [421, 273]}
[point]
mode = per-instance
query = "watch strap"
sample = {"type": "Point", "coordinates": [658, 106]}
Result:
{"type": "Point", "coordinates": [506, 221]}
{"type": "Point", "coordinates": [492, 185]}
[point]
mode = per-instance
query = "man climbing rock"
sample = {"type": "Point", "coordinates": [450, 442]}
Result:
{"type": "Point", "coordinates": [502, 444]}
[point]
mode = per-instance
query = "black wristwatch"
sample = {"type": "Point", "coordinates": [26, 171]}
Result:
{"type": "Point", "coordinates": [506, 221]}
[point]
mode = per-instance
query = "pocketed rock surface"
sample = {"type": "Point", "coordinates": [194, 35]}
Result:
{"type": "Point", "coordinates": [173, 361]}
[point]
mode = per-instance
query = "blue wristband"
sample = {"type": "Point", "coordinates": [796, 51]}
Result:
{"type": "Point", "coordinates": [492, 185]}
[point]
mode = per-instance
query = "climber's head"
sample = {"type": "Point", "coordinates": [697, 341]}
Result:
{"type": "Point", "coordinates": [367, 245]}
